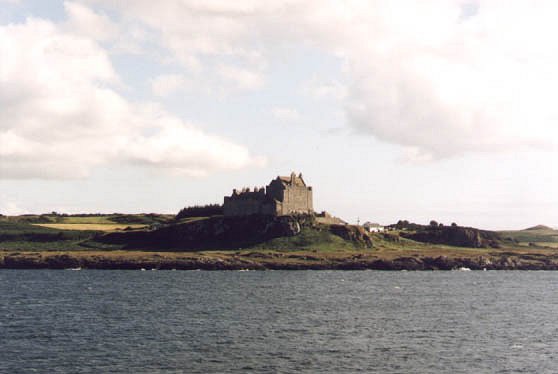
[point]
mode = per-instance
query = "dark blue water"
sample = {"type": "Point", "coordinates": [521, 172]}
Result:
{"type": "Point", "coordinates": [278, 321]}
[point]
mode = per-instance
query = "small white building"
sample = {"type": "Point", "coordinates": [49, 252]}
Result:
{"type": "Point", "coordinates": [373, 227]}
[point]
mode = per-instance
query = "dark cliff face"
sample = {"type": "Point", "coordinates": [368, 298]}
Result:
{"type": "Point", "coordinates": [455, 236]}
{"type": "Point", "coordinates": [211, 233]}
{"type": "Point", "coordinates": [227, 233]}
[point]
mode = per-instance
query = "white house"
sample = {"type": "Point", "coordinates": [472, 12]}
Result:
{"type": "Point", "coordinates": [373, 227]}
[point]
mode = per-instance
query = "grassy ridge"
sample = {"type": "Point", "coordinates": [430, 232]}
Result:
{"type": "Point", "coordinates": [308, 239]}
{"type": "Point", "coordinates": [68, 232]}
{"type": "Point", "coordinates": [15, 230]}
{"type": "Point", "coordinates": [542, 236]}
{"type": "Point", "coordinates": [16, 235]}
{"type": "Point", "coordinates": [115, 218]}
{"type": "Point", "coordinates": [89, 226]}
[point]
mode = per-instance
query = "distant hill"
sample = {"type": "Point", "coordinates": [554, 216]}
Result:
{"type": "Point", "coordinates": [540, 235]}
{"type": "Point", "coordinates": [539, 227]}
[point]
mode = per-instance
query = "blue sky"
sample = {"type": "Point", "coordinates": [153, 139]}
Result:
{"type": "Point", "coordinates": [391, 109]}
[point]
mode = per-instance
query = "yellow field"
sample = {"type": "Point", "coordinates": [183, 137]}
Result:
{"type": "Point", "coordinates": [89, 226]}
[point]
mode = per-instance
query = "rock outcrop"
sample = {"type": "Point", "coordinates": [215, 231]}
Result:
{"type": "Point", "coordinates": [455, 236]}
{"type": "Point", "coordinates": [355, 234]}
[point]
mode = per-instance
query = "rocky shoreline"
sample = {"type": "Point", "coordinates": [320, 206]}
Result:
{"type": "Point", "coordinates": [271, 261]}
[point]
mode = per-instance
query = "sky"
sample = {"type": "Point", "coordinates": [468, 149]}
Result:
{"type": "Point", "coordinates": [437, 109]}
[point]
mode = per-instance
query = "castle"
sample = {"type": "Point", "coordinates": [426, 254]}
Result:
{"type": "Point", "coordinates": [283, 196]}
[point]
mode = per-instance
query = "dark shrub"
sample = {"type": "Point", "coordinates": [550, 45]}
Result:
{"type": "Point", "coordinates": [200, 211]}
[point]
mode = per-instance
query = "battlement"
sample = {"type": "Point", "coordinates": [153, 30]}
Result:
{"type": "Point", "coordinates": [246, 193]}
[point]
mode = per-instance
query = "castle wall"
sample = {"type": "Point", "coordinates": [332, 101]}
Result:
{"type": "Point", "coordinates": [297, 199]}
{"type": "Point", "coordinates": [275, 190]}
{"type": "Point", "coordinates": [247, 205]}
{"type": "Point", "coordinates": [282, 196]}
{"type": "Point", "coordinates": [241, 207]}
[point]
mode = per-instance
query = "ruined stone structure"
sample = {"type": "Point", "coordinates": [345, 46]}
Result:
{"type": "Point", "coordinates": [283, 196]}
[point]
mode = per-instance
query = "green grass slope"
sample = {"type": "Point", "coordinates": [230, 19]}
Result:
{"type": "Point", "coordinates": [24, 236]}
{"type": "Point", "coordinates": [540, 235]}
{"type": "Point", "coordinates": [138, 219]}
{"type": "Point", "coordinates": [308, 239]}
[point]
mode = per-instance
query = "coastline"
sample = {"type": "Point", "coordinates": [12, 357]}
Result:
{"type": "Point", "coordinates": [275, 260]}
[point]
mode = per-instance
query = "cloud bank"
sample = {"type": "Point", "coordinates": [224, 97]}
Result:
{"type": "Point", "coordinates": [439, 77]}
{"type": "Point", "coordinates": [62, 116]}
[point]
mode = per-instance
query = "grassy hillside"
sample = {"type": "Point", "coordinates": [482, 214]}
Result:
{"type": "Point", "coordinates": [308, 239]}
{"type": "Point", "coordinates": [162, 232]}
{"type": "Point", "coordinates": [98, 219]}
{"type": "Point", "coordinates": [106, 227]}
{"type": "Point", "coordinates": [69, 232]}
{"type": "Point", "coordinates": [16, 235]}
{"type": "Point", "coordinates": [538, 235]}
{"type": "Point", "coordinates": [92, 222]}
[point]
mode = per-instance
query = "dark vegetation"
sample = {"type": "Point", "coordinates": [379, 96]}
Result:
{"type": "Point", "coordinates": [16, 235]}
{"type": "Point", "coordinates": [141, 219]}
{"type": "Point", "coordinates": [200, 211]}
{"type": "Point", "coordinates": [13, 231]}
{"type": "Point", "coordinates": [453, 235]}
{"type": "Point", "coordinates": [406, 225]}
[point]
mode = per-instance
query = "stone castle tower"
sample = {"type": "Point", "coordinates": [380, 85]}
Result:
{"type": "Point", "coordinates": [283, 196]}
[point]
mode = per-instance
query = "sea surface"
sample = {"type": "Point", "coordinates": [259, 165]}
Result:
{"type": "Point", "coordinates": [104, 321]}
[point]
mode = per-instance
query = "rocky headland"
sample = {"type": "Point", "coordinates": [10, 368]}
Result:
{"type": "Point", "coordinates": [221, 232]}
{"type": "Point", "coordinates": [270, 260]}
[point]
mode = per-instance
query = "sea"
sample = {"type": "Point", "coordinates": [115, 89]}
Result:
{"type": "Point", "coordinates": [106, 321]}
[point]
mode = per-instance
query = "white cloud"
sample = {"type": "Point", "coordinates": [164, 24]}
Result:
{"type": "Point", "coordinates": [85, 22]}
{"type": "Point", "coordinates": [226, 81]}
{"type": "Point", "coordinates": [439, 77]}
{"type": "Point", "coordinates": [285, 114]}
{"type": "Point", "coordinates": [167, 84]}
{"type": "Point", "coordinates": [241, 79]}
{"type": "Point", "coordinates": [443, 86]}
{"type": "Point", "coordinates": [324, 89]}
{"type": "Point", "coordinates": [60, 116]}
{"type": "Point", "coordinates": [202, 39]}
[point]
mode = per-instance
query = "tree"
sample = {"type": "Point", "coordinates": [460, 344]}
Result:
{"type": "Point", "coordinates": [433, 223]}
{"type": "Point", "coordinates": [200, 211]}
